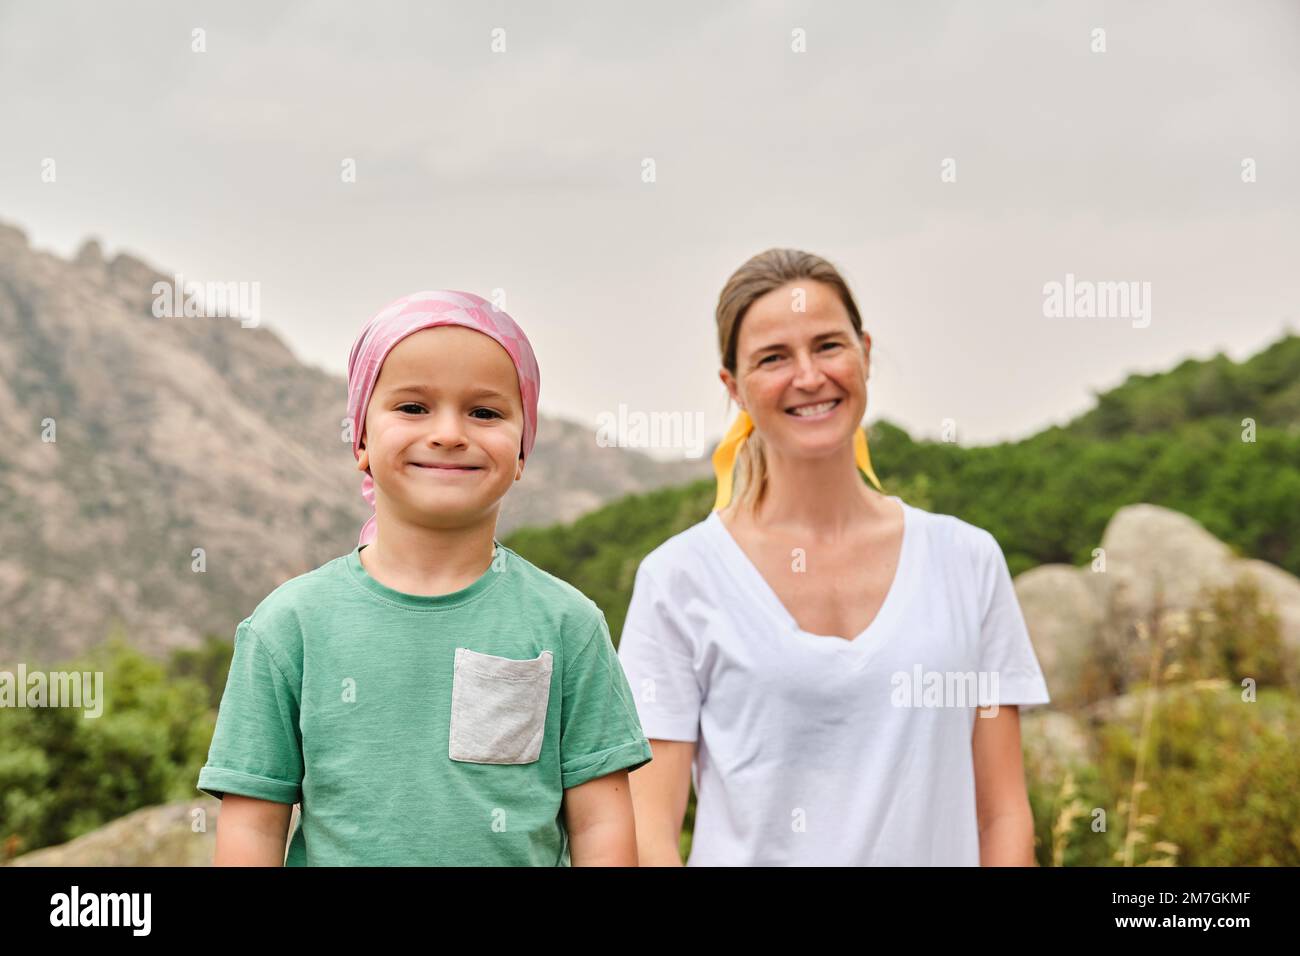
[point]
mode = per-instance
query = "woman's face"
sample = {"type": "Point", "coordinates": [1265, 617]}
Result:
{"type": "Point", "coordinates": [801, 375]}
{"type": "Point", "coordinates": [443, 427]}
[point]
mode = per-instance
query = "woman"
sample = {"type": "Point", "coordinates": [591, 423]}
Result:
{"type": "Point", "coordinates": [813, 652]}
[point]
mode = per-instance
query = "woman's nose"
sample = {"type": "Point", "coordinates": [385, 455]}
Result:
{"type": "Point", "coordinates": [807, 373]}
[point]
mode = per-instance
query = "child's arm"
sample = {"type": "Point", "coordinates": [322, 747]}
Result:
{"type": "Point", "coordinates": [251, 832]}
{"type": "Point", "coordinates": [255, 762]}
{"type": "Point", "coordinates": [600, 744]}
{"type": "Point", "coordinates": [598, 816]}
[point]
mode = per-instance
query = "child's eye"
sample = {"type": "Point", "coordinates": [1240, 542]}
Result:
{"type": "Point", "coordinates": [492, 412]}
{"type": "Point", "coordinates": [415, 405]}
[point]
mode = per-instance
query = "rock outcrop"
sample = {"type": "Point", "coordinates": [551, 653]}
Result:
{"type": "Point", "coordinates": [183, 833]}
{"type": "Point", "coordinates": [1155, 560]}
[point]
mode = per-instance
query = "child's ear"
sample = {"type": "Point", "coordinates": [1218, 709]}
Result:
{"type": "Point", "coordinates": [363, 457]}
{"type": "Point", "coordinates": [519, 468]}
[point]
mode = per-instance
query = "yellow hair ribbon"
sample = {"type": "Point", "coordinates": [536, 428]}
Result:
{"type": "Point", "coordinates": [724, 457]}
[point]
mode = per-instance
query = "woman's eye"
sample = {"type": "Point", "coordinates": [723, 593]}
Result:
{"type": "Point", "coordinates": [491, 412]}
{"type": "Point", "coordinates": [768, 358]}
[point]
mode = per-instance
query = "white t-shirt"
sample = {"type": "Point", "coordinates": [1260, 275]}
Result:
{"type": "Point", "coordinates": [814, 750]}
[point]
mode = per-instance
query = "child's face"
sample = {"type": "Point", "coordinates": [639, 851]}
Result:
{"type": "Point", "coordinates": [446, 396]}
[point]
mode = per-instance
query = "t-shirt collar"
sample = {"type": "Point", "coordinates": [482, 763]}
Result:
{"type": "Point", "coordinates": [501, 558]}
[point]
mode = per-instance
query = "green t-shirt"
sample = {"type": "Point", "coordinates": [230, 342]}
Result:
{"type": "Point", "coordinates": [419, 730]}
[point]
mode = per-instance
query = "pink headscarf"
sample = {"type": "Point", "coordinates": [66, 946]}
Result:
{"type": "Point", "coordinates": [425, 310]}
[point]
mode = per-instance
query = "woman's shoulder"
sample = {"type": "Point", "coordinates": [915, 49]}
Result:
{"type": "Point", "coordinates": [683, 551]}
{"type": "Point", "coordinates": [950, 536]}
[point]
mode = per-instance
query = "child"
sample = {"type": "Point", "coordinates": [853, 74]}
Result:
{"type": "Point", "coordinates": [430, 698]}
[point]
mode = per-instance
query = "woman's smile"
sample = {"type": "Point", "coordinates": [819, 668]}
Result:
{"type": "Point", "coordinates": [814, 411]}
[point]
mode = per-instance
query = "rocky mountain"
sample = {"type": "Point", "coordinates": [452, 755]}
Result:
{"type": "Point", "coordinates": [131, 441]}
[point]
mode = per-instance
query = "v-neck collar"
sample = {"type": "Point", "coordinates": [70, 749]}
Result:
{"type": "Point", "coordinates": [757, 584]}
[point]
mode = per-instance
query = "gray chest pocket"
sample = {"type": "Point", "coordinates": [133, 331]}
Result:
{"type": "Point", "coordinates": [498, 707]}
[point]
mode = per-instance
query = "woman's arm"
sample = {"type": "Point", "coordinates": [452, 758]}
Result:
{"type": "Point", "coordinates": [660, 791]}
{"type": "Point", "coordinates": [251, 832]}
{"type": "Point", "coordinates": [1006, 824]}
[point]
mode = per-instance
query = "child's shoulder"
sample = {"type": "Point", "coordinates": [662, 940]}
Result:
{"type": "Point", "coordinates": [552, 597]}
{"type": "Point", "coordinates": [281, 612]}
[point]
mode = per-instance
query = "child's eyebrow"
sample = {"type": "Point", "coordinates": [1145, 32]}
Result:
{"type": "Point", "coordinates": [473, 393]}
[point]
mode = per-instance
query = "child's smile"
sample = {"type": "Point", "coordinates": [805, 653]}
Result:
{"type": "Point", "coordinates": [449, 470]}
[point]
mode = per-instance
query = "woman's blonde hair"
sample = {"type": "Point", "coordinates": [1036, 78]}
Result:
{"type": "Point", "coordinates": [760, 275]}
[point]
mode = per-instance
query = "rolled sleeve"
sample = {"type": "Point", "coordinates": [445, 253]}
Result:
{"type": "Point", "coordinates": [256, 748]}
{"type": "Point", "coordinates": [600, 732]}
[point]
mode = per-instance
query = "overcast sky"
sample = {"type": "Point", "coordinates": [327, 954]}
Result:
{"type": "Point", "coordinates": [522, 170]}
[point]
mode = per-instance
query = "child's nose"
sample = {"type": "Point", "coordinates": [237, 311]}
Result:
{"type": "Point", "coordinates": [446, 428]}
